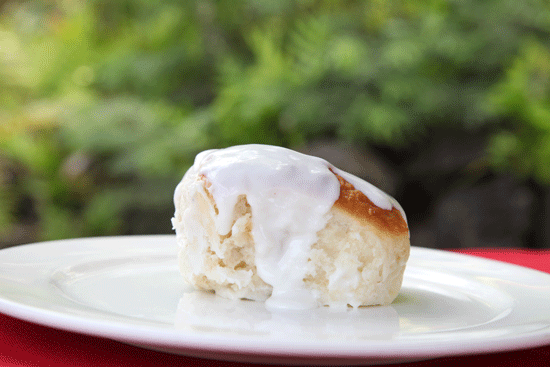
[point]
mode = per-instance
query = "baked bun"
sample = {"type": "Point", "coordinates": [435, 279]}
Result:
{"type": "Point", "coordinates": [267, 223]}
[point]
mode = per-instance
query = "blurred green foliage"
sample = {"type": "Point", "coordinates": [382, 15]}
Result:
{"type": "Point", "coordinates": [103, 104]}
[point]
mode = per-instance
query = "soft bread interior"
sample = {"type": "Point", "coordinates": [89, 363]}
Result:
{"type": "Point", "coordinates": [353, 262]}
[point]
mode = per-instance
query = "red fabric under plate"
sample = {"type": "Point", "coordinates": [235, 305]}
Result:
{"type": "Point", "coordinates": [27, 344]}
{"type": "Point", "coordinates": [539, 260]}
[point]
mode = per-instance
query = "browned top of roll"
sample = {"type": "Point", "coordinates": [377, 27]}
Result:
{"type": "Point", "coordinates": [359, 205]}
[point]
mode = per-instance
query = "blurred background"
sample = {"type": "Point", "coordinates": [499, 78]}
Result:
{"type": "Point", "coordinates": [445, 104]}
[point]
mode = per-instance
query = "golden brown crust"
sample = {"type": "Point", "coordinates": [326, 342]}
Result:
{"type": "Point", "coordinates": [359, 205]}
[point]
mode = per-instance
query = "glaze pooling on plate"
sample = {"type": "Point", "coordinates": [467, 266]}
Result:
{"type": "Point", "coordinates": [290, 195]}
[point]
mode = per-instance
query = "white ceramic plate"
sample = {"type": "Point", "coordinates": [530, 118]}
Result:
{"type": "Point", "coordinates": [129, 289]}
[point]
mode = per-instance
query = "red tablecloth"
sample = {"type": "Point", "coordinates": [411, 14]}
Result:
{"type": "Point", "coordinates": [26, 344]}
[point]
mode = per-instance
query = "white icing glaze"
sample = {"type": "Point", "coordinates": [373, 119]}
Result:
{"type": "Point", "coordinates": [290, 195]}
